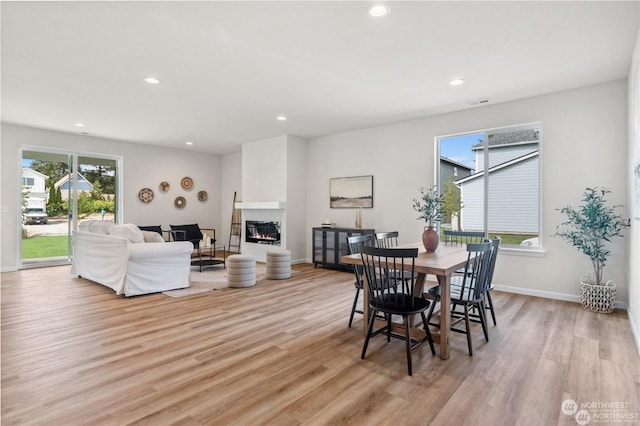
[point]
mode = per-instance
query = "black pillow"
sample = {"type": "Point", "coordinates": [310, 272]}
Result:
{"type": "Point", "coordinates": [154, 228]}
{"type": "Point", "coordinates": [192, 232]}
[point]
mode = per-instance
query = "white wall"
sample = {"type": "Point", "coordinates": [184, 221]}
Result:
{"type": "Point", "coordinates": [274, 170]}
{"type": "Point", "coordinates": [297, 198]}
{"type": "Point", "coordinates": [143, 166]}
{"type": "Point", "coordinates": [583, 144]}
{"type": "Point", "coordinates": [633, 256]}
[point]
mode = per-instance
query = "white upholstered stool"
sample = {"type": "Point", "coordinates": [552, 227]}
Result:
{"type": "Point", "coordinates": [241, 270]}
{"type": "Point", "coordinates": [278, 265]}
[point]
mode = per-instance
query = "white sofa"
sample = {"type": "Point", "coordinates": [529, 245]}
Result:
{"type": "Point", "coordinates": [129, 261]}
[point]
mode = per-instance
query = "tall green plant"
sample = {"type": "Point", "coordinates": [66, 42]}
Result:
{"type": "Point", "coordinates": [591, 226]}
{"type": "Point", "coordinates": [451, 200]}
{"type": "Point", "coordinates": [429, 205]}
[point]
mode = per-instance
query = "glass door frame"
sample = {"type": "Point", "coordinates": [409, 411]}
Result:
{"type": "Point", "coordinates": [73, 223]}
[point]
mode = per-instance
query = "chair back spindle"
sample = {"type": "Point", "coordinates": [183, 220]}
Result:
{"type": "Point", "coordinates": [462, 237]}
{"type": "Point", "coordinates": [387, 239]}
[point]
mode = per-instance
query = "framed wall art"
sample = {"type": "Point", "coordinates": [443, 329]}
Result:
{"type": "Point", "coordinates": [351, 192]}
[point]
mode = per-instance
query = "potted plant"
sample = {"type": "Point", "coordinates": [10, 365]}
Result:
{"type": "Point", "coordinates": [590, 228]}
{"type": "Point", "coordinates": [430, 208]}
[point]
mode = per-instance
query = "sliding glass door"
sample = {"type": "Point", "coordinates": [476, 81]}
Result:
{"type": "Point", "coordinates": [59, 190]}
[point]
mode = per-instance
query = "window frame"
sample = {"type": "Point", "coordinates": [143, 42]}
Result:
{"type": "Point", "coordinates": [533, 251]}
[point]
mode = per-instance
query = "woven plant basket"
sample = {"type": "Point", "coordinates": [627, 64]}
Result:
{"type": "Point", "coordinates": [597, 298]}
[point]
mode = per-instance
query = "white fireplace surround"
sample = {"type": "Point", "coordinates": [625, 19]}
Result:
{"type": "Point", "coordinates": [262, 205]}
{"type": "Point", "coordinates": [263, 211]}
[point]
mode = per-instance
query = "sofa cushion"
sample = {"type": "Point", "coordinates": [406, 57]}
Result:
{"type": "Point", "coordinates": [128, 231]}
{"type": "Point", "coordinates": [152, 237]}
{"type": "Point", "coordinates": [96, 226]}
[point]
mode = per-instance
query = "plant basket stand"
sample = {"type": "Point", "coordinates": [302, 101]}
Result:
{"type": "Point", "coordinates": [598, 298]}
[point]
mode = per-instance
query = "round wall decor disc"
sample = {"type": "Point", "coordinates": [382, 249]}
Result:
{"type": "Point", "coordinates": [145, 195]}
{"type": "Point", "coordinates": [180, 202]}
{"type": "Point", "coordinates": [187, 183]}
{"type": "Point", "coordinates": [202, 196]}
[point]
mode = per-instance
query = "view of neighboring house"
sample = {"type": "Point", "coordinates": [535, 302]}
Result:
{"type": "Point", "coordinates": [64, 183]}
{"type": "Point", "coordinates": [33, 183]}
{"type": "Point", "coordinates": [450, 168]}
{"type": "Point", "coordinates": [513, 184]}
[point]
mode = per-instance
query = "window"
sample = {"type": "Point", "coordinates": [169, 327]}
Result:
{"type": "Point", "coordinates": [490, 182]}
{"type": "Point", "coordinates": [28, 181]}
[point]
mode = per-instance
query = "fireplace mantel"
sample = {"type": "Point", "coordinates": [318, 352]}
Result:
{"type": "Point", "coordinates": [262, 205]}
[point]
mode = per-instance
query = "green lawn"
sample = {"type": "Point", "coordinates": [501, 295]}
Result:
{"type": "Point", "coordinates": [44, 246]}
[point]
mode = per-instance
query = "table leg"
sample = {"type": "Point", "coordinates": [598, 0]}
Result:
{"type": "Point", "coordinates": [445, 314]}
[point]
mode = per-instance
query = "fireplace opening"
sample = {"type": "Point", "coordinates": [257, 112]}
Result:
{"type": "Point", "coordinates": [262, 232]}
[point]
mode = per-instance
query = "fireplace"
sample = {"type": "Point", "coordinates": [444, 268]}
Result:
{"type": "Point", "coordinates": [262, 232]}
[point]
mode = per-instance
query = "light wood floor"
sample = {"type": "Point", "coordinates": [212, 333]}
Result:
{"type": "Point", "coordinates": [280, 353]}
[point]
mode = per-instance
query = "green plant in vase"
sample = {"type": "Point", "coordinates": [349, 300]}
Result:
{"type": "Point", "coordinates": [429, 205]}
{"type": "Point", "coordinates": [590, 228]}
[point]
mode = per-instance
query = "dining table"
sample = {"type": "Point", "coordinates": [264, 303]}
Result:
{"type": "Point", "coordinates": [441, 263]}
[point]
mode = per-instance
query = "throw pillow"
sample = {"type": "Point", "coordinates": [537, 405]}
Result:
{"type": "Point", "coordinates": [100, 227]}
{"type": "Point", "coordinates": [154, 228]}
{"type": "Point", "coordinates": [128, 231]}
{"type": "Point", "coordinates": [152, 237]}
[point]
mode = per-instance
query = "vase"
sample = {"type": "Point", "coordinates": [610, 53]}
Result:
{"type": "Point", "coordinates": [430, 239]}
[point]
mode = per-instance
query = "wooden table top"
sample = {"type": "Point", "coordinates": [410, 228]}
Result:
{"type": "Point", "coordinates": [444, 261]}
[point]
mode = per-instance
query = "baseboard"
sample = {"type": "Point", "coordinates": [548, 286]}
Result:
{"type": "Point", "coordinates": [9, 269]}
{"type": "Point", "coordinates": [634, 333]}
{"type": "Point", "coordinates": [549, 295]}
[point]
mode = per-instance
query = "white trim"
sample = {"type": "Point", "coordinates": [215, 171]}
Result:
{"type": "Point", "coordinates": [634, 332]}
{"type": "Point", "coordinates": [548, 294]}
{"type": "Point", "coordinates": [262, 205]}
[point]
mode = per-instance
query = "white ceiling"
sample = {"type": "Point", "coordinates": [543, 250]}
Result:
{"type": "Point", "coordinates": [227, 69]}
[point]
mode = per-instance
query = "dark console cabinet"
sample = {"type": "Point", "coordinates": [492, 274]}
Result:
{"type": "Point", "coordinates": [330, 244]}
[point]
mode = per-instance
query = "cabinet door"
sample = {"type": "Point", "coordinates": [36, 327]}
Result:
{"type": "Point", "coordinates": [318, 246]}
{"type": "Point", "coordinates": [343, 247]}
{"type": "Point", "coordinates": [330, 247]}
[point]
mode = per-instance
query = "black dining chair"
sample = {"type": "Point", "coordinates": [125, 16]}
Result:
{"type": "Point", "coordinates": [387, 239]}
{"type": "Point", "coordinates": [462, 237]}
{"type": "Point", "coordinates": [355, 244]}
{"type": "Point", "coordinates": [468, 290]}
{"type": "Point", "coordinates": [393, 294]}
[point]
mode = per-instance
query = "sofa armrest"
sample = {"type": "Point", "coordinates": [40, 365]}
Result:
{"type": "Point", "coordinates": [156, 251]}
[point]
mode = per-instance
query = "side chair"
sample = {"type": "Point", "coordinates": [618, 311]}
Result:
{"type": "Point", "coordinates": [387, 239]}
{"type": "Point", "coordinates": [385, 297]}
{"type": "Point", "coordinates": [462, 237]}
{"type": "Point", "coordinates": [355, 244]}
{"type": "Point", "coordinates": [469, 290]}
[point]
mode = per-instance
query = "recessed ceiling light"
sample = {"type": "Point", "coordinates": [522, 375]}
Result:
{"type": "Point", "coordinates": [456, 82]}
{"type": "Point", "coordinates": [79, 125]}
{"type": "Point", "coordinates": [152, 80]}
{"type": "Point", "coordinates": [379, 10]}
{"type": "Point", "coordinates": [188, 143]}
{"type": "Point", "coordinates": [281, 118]}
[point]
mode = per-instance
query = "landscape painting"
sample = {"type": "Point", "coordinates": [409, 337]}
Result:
{"type": "Point", "coordinates": [350, 192]}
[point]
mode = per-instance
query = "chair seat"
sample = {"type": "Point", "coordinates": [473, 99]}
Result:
{"type": "Point", "coordinates": [400, 304]}
{"type": "Point", "coordinates": [456, 293]}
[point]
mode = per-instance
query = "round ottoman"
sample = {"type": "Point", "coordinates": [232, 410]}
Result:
{"type": "Point", "coordinates": [278, 265]}
{"type": "Point", "coordinates": [241, 270]}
